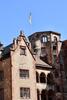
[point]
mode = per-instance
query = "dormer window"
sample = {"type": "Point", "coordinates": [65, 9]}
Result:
{"type": "Point", "coordinates": [44, 39]}
{"type": "Point", "coordinates": [22, 50]}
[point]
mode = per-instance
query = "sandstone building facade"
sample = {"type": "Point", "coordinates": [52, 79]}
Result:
{"type": "Point", "coordinates": [32, 70]}
{"type": "Point", "coordinates": [47, 45]}
{"type": "Point", "coordinates": [64, 56]}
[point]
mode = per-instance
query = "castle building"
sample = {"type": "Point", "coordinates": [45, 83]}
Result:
{"type": "Point", "coordinates": [31, 70]}
{"type": "Point", "coordinates": [64, 56]}
{"type": "Point", "coordinates": [47, 45]}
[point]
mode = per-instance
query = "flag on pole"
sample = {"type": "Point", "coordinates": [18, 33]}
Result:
{"type": "Point", "coordinates": [30, 18]}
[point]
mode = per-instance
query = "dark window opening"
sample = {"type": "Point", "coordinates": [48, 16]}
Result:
{"type": "Point", "coordinates": [43, 95]}
{"type": "Point", "coordinates": [51, 94]}
{"type": "Point", "coordinates": [54, 48]}
{"type": "Point", "coordinates": [24, 73]}
{"type": "Point", "coordinates": [38, 93]}
{"type": "Point", "coordinates": [42, 78]}
{"type": "Point", "coordinates": [25, 93]}
{"type": "Point", "coordinates": [1, 75]}
{"type": "Point", "coordinates": [22, 50]}
{"type": "Point", "coordinates": [37, 77]}
{"type": "Point", "coordinates": [1, 93]}
{"type": "Point", "coordinates": [50, 80]}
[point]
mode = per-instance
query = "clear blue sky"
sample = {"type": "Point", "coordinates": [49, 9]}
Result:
{"type": "Point", "coordinates": [46, 15]}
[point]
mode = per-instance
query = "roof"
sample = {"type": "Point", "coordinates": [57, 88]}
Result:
{"type": "Point", "coordinates": [29, 49]}
{"type": "Point", "coordinates": [39, 62]}
{"type": "Point", "coordinates": [48, 32]}
{"type": "Point", "coordinates": [6, 50]}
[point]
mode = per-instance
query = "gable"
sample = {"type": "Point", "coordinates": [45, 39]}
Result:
{"type": "Point", "coordinates": [20, 46]}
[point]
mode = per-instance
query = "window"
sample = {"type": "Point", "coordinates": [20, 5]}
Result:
{"type": "Point", "coordinates": [24, 73]}
{"type": "Point", "coordinates": [25, 93]}
{"type": "Point", "coordinates": [1, 75]}
{"type": "Point", "coordinates": [1, 93]}
{"type": "Point", "coordinates": [22, 50]}
{"type": "Point", "coordinates": [42, 78]}
{"type": "Point", "coordinates": [51, 94]}
{"type": "Point", "coordinates": [55, 39]}
{"type": "Point", "coordinates": [44, 39]}
{"type": "Point", "coordinates": [37, 77]}
{"type": "Point", "coordinates": [54, 47]}
{"type": "Point", "coordinates": [50, 79]}
{"type": "Point", "coordinates": [43, 94]}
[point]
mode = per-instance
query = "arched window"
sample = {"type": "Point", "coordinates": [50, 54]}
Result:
{"type": "Point", "coordinates": [37, 77]}
{"type": "Point", "coordinates": [43, 95]}
{"type": "Point", "coordinates": [38, 93]}
{"type": "Point", "coordinates": [42, 78]}
{"type": "Point", "coordinates": [50, 80]}
{"type": "Point", "coordinates": [44, 39]}
{"type": "Point", "coordinates": [51, 94]}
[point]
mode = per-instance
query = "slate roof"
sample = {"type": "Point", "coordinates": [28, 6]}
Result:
{"type": "Point", "coordinates": [41, 32]}
{"type": "Point", "coordinates": [6, 50]}
{"type": "Point", "coordinates": [39, 62]}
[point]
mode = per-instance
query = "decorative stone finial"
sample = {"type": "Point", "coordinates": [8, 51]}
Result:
{"type": "Point", "coordinates": [21, 33]}
{"type": "Point", "coordinates": [14, 40]}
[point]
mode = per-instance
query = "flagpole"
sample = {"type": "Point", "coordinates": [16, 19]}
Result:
{"type": "Point", "coordinates": [30, 18]}
{"type": "Point", "coordinates": [30, 22]}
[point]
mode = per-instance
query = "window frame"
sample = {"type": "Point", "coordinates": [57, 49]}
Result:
{"type": "Point", "coordinates": [25, 92]}
{"type": "Point", "coordinates": [44, 39]}
{"type": "Point", "coordinates": [22, 50]}
{"type": "Point", "coordinates": [22, 75]}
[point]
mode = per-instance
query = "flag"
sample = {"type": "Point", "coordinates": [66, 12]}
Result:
{"type": "Point", "coordinates": [30, 18]}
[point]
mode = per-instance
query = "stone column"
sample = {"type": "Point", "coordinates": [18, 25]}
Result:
{"type": "Point", "coordinates": [40, 95]}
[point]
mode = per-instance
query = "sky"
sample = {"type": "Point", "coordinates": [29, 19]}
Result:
{"type": "Point", "coordinates": [47, 15]}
